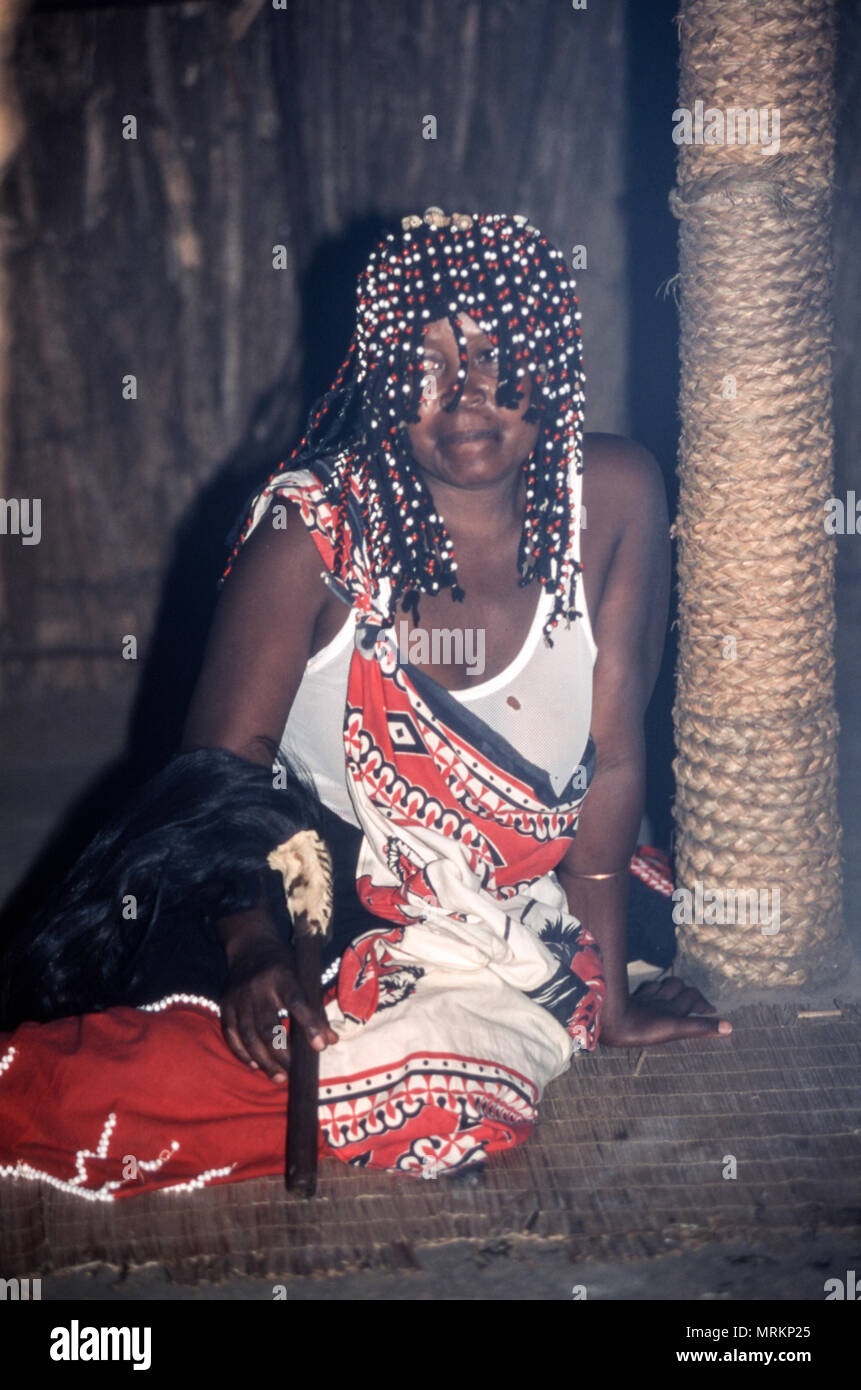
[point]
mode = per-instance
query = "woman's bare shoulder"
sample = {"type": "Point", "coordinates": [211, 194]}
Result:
{"type": "Point", "coordinates": [622, 476]}
{"type": "Point", "coordinates": [625, 531]}
{"type": "Point", "coordinates": [280, 543]}
{"type": "Point", "coordinates": [629, 514]}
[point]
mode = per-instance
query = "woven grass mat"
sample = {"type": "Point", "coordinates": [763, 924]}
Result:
{"type": "Point", "coordinates": [627, 1160]}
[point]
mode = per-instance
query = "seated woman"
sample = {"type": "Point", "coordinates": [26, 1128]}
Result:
{"type": "Point", "coordinates": [481, 773]}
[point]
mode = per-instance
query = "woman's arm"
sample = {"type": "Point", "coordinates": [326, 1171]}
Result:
{"type": "Point", "coordinates": [629, 631]}
{"type": "Point", "coordinates": [261, 638]}
{"type": "Point", "coordinates": [262, 635]}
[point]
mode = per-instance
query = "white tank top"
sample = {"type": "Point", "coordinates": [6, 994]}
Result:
{"type": "Point", "coordinates": [541, 704]}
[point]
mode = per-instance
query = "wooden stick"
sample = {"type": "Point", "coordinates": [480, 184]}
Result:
{"type": "Point", "coordinates": [304, 1073]}
{"type": "Point", "coordinates": [306, 868]}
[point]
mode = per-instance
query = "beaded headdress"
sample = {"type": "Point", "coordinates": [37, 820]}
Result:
{"type": "Point", "coordinates": [517, 288]}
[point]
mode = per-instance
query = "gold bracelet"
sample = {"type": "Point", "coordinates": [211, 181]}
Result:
{"type": "Point", "coordinates": [570, 874]}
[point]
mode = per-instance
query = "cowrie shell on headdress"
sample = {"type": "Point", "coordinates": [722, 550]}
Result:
{"type": "Point", "coordinates": [436, 217]}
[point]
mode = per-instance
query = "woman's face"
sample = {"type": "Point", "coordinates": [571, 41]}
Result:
{"type": "Point", "coordinates": [480, 442]}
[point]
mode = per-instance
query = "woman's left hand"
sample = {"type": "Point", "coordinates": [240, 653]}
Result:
{"type": "Point", "coordinates": [662, 1011]}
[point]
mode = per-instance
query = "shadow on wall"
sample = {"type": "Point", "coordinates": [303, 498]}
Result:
{"type": "Point", "coordinates": [189, 589]}
{"type": "Point", "coordinates": [653, 56]}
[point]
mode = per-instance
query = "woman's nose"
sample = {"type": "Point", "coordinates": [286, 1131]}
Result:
{"type": "Point", "coordinates": [475, 386]}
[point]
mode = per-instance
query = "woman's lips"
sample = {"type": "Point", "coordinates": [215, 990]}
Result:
{"type": "Point", "coordinates": [470, 436]}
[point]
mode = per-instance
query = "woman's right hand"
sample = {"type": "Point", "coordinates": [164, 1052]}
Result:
{"type": "Point", "coordinates": [261, 980]}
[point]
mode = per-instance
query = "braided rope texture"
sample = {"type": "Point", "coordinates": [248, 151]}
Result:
{"type": "Point", "coordinates": [755, 719]}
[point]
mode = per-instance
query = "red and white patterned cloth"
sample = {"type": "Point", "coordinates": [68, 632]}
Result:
{"type": "Point", "coordinates": [484, 970]}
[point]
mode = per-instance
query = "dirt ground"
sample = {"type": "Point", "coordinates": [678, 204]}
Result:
{"type": "Point", "coordinates": [515, 1270]}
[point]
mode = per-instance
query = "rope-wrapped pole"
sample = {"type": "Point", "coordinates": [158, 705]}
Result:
{"type": "Point", "coordinates": [757, 831]}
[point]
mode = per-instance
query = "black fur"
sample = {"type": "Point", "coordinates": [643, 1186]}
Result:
{"type": "Point", "coordinates": [190, 847]}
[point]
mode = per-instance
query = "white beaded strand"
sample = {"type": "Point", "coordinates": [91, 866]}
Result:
{"type": "Point", "coordinates": [8, 1058]}
{"type": "Point", "coordinates": [171, 1001]}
